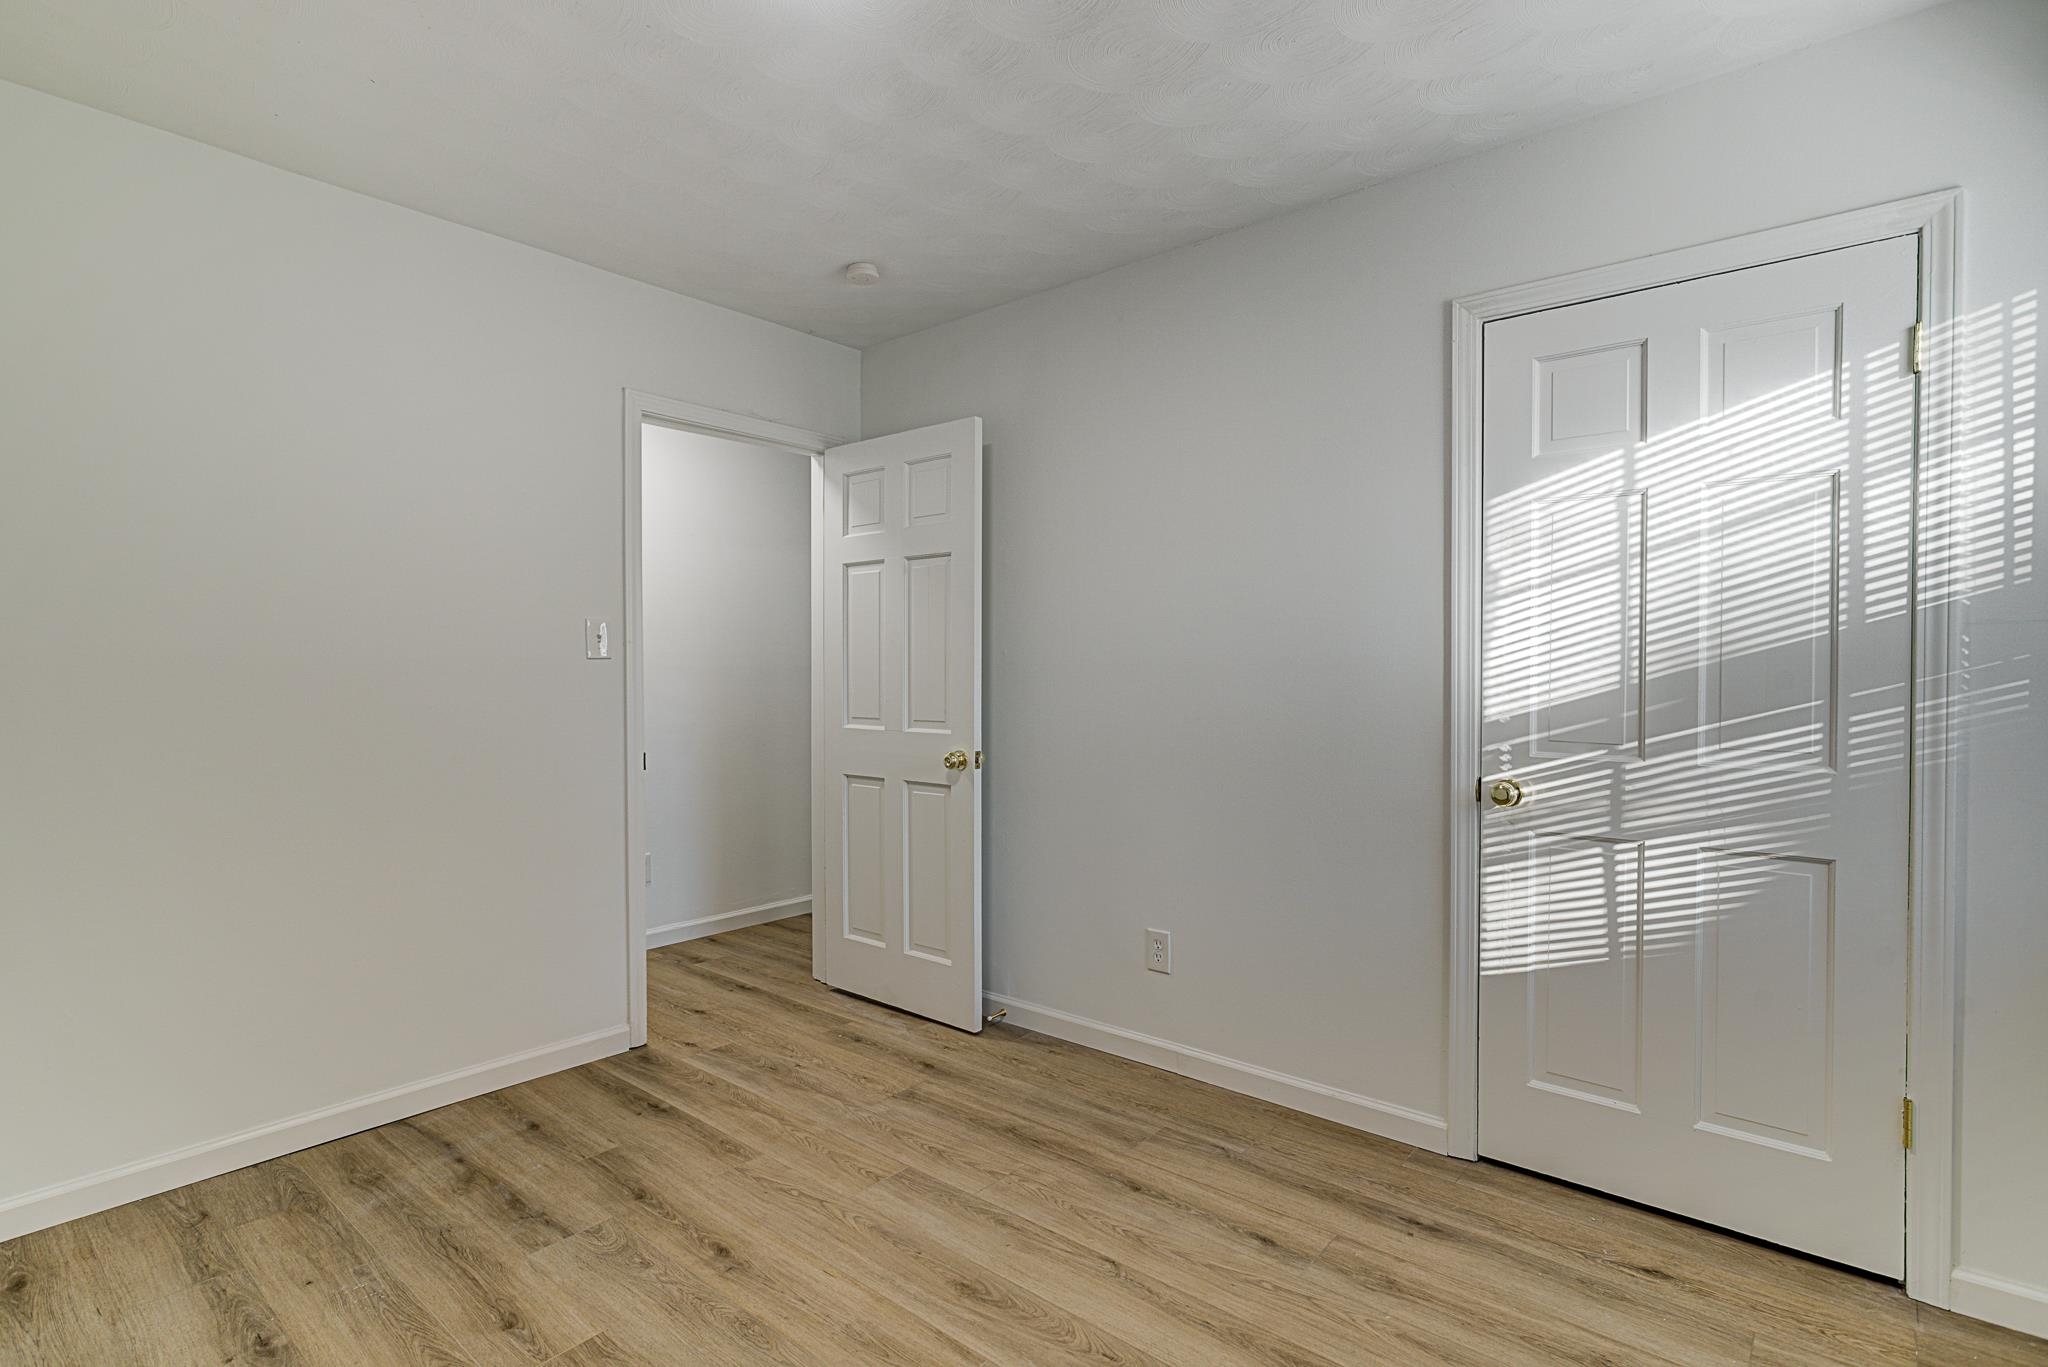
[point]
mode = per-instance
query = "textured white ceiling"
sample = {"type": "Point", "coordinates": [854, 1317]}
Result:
{"type": "Point", "coordinates": [744, 150]}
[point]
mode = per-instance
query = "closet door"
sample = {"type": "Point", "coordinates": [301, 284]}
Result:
{"type": "Point", "coordinates": [1695, 676]}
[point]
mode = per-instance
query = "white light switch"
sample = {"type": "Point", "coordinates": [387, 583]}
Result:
{"type": "Point", "coordinates": [597, 639]}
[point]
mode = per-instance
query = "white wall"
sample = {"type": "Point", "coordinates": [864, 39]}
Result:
{"type": "Point", "coordinates": [726, 591]}
{"type": "Point", "coordinates": [1216, 558]}
{"type": "Point", "coordinates": [306, 789]}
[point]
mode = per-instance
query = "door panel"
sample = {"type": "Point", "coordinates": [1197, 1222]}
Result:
{"type": "Point", "coordinates": [1694, 663]}
{"type": "Point", "coordinates": [1586, 582]}
{"type": "Point", "coordinates": [901, 831]}
{"type": "Point", "coordinates": [1772, 620]}
{"type": "Point", "coordinates": [1585, 1007]}
{"type": "Point", "coordinates": [864, 865]}
{"type": "Point", "coordinates": [861, 683]}
{"type": "Point", "coordinates": [1766, 1003]}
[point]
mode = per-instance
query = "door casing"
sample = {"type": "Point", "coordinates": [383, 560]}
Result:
{"type": "Point", "coordinates": [641, 408]}
{"type": "Point", "coordinates": [1934, 808]}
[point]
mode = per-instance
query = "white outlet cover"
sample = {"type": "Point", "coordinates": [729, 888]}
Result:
{"type": "Point", "coordinates": [1159, 951]}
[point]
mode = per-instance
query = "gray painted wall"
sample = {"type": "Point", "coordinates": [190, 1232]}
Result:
{"type": "Point", "coordinates": [306, 789]}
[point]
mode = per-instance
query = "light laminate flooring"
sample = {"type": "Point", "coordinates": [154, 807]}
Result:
{"type": "Point", "coordinates": [790, 1175]}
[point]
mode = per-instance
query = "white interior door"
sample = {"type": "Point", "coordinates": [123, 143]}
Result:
{"type": "Point", "coordinates": [898, 773]}
{"type": "Point", "coordinates": [1695, 664]}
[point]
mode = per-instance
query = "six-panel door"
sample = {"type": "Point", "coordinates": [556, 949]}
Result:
{"type": "Point", "coordinates": [1697, 505]}
{"type": "Point", "coordinates": [901, 590]}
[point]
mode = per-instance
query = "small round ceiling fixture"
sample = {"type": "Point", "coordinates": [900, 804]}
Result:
{"type": "Point", "coordinates": [863, 273]}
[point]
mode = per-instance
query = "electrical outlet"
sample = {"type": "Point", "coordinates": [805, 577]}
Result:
{"type": "Point", "coordinates": [1159, 951]}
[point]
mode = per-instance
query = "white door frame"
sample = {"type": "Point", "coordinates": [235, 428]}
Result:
{"type": "Point", "coordinates": [695, 417]}
{"type": "Point", "coordinates": [1934, 813]}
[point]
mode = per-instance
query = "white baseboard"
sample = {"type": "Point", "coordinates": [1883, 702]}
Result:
{"type": "Point", "coordinates": [195, 1163]}
{"type": "Point", "coordinates": [2015, 1305]}
{"type": "Point", "coordinates": [1366, 1113]}
{"type": "Point", "coordinates": [675, 932]}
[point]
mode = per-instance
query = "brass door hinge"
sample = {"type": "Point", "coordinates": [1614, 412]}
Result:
{"type": "Point", "coordinates": [1906, 1122]}
{"type": "Point", "coordinates": [1919, 347]}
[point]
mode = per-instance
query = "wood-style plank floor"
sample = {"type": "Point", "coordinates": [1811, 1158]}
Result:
{"type": "Point", "coordinates": [790, 1175]}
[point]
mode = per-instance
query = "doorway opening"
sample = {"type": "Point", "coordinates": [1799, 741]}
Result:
{"type": "Point", "coordinates": [721, 519]}
{"type": "Point", "coordinates": [725, 672]}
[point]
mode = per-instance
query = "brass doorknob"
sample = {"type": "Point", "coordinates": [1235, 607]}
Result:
{"type": "Point", "coordinates": [957, 759]}
{"type": "Point", "coordinates": [1505, 792]}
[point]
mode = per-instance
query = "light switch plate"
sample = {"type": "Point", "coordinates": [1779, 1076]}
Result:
{"type": "Point", "coordinates": [597, 639]}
